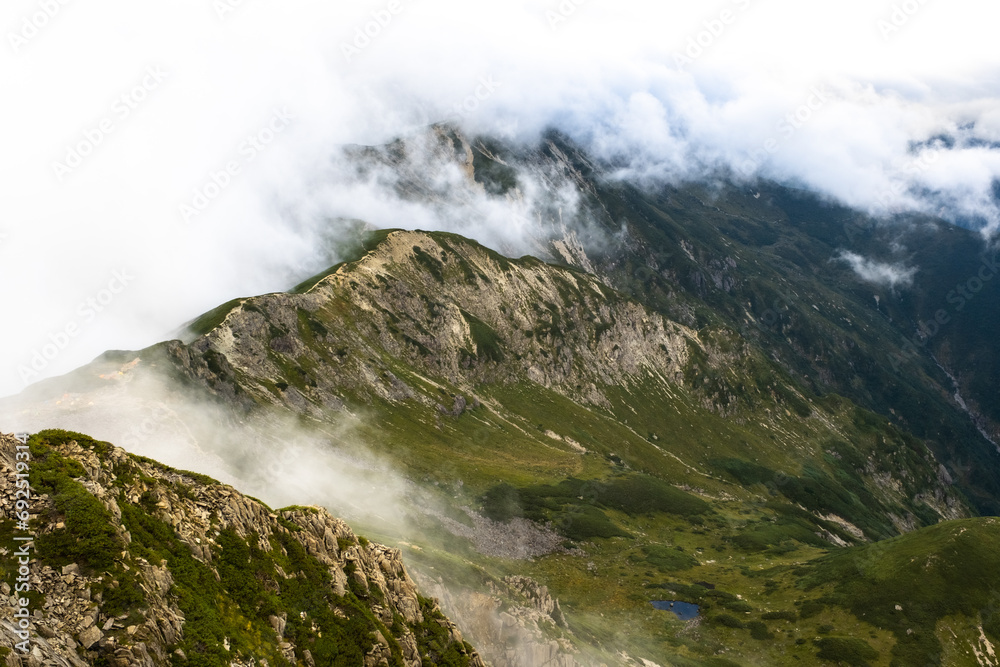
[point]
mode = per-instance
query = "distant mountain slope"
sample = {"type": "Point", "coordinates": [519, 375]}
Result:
{"type": "Point", "coordinates": [137, 564]}
{"type": "Point", "coordinates": [534, 393]}
{"type": "Point", "coordinates": [936, 589]}
{"type": "Point", "coordinates": [768, 261]}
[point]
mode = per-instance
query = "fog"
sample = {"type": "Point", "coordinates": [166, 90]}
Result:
{"type": "Point", "coordinates": [270, 455]}
{"type": "Point", "coordinates": [879, 273]}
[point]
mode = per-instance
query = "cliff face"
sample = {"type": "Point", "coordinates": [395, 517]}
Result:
{"type": "Point", "coordinates": [134, 563]}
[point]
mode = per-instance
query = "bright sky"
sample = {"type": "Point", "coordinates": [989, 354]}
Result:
{"type": "Point", "coordinates": [117, 113]}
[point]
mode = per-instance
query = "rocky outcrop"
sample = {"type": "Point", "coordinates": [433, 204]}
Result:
{"type": "Point", "coordinates": [230, 568]}
{"type": "Point", "coordinates": [518, 624]}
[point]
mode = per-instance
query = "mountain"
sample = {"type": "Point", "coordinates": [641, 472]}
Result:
{"type": "Point", "coordinates": [693, 394]}
{"type": "Point", "coordinates": [767, 262]}
{"type": "Point", "coordinates": [897, 315]}
{"type": "Point", "coordinates": [134, 563]}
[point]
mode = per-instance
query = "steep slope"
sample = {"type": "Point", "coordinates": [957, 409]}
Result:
{"type": "Point", "coordinates": [469, 353]}
{"type": "Point", "coordinates": [909, 335]}
{"type": "Point", "coordinates": [767, 261]}
{"type": "Point", "coordinates": [134, 563]}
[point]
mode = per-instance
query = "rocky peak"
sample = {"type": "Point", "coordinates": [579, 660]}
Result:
{"type": "Point", "coordinates": [134, 563]}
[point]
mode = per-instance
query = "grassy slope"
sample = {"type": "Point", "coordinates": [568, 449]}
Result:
{"type": "Point", "coordinates": [813, 315]}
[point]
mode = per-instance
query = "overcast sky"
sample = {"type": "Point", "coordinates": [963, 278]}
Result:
{"type": "Point", "coordinates": [151, 149]}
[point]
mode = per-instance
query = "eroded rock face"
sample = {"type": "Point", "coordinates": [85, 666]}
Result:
{"type": "Point", "coordinates": [457, 309]}
{"type": "Point", "coordinates": [80, 615]}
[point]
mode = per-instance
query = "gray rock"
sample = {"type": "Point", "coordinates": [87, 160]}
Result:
{"type": "Point", "coordinates": [278, 624]}
{"type": "Point", "coordinates": [90, 637]}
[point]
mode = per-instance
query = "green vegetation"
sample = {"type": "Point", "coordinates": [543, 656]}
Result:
{"type": "Point", "coordinates": [841, 493]}
{"type": "Point", "coordinates": [429, 263]}
{"type": "Point", "coordinates": [758, 630]}
{"type": "Point", "coordinates": [668, 559]}
{"type": "Point", "coordinates": [729, 621]}
{"type": "Point", "coordinates": [489, 345]}
{"type": "Point", "coordinates": [573, 504]}
{"type": "Point", "coordinates": [436, 647]}
{"type": "Point", "coordinates": [780, 616]}
{"type": "Point", "coordinates": [209, 612]}
{"type": "Point", "coordinates": [213, 318]}
{"type": "Point", "coordinates": [88, 538]}
{"type": "Point", "coordinates": [846, 650]}
{"type": "Point", "coordinates": [496, 177]}
{"type": "Point", "coordinates": [957, 565]}
{"type": "Point", "coordinates": [640, 494]}
{"type": "Point", "coordinates": [583, 523]}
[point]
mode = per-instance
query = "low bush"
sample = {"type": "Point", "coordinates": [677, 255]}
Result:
{"type": "Point", "coordinates": [728, 621]}
{"type": "Point", "coordinates": [846, 650]}
{"type": "Point", "coordinates": [668, 559]}
{"type": "Point", "coordinates": [779, 616]}
{"type": "Point", "coordinates": [759, 631]}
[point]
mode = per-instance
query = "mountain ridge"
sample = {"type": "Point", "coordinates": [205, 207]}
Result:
{"type": "Point", "coordinates": [137, 545]}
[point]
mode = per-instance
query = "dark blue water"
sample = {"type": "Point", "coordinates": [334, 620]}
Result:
{"type": "Point", "coordinates": [683, 610]}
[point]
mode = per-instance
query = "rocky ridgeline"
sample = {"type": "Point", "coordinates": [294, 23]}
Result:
{"type": "Point", "coordinates": [121, 606]}
{"type": "Point", "coordinates": [446, 304]}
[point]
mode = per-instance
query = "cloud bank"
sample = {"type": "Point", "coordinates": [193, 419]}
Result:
{"type": "Point", "coordinates": [160, 160]}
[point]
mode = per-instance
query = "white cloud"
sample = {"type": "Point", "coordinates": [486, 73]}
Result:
{"type": "Point", "coordinates": [879, 273]}
{"type": "Point", "coordinates": [606, 76]}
